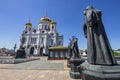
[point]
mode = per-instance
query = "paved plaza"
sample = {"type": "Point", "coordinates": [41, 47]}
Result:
{"type": "Point", "coordinates": [42, 69]}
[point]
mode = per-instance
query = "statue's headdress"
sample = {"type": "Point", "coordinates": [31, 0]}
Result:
{"type": "Point", "coordinates": [89, 7]}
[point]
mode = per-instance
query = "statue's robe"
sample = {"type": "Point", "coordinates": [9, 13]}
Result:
{"type": "Point", "coordinates": [99, 51]}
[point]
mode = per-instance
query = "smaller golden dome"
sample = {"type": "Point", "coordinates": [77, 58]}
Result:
{"type": "Point", "coordinates": [4, 48]}
{"type": "Point", "coordinates": [45, 19]}
{"type": "Point", "coordinates": [53, 22]}
{"type": "Point", "coordinates": [28, 23]}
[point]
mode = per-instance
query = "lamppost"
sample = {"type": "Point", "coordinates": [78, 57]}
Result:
{"type": "Point", "coordinates": [15, 47]}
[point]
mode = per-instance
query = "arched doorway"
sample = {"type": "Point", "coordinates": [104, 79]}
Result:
{"type": "Point", "coordinates": [31, 50]}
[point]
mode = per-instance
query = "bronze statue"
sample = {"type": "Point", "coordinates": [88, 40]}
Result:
{"type": "Point", "coordinates": [98, 47]}
{"type": "Point", "coordinates": [74, 47]}
{"type": "Point", "coordinates": [21, 51]}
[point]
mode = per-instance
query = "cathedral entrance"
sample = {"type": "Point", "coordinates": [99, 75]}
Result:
{"type": "Point", "coordinates": [41, 51]}
{"type": "Point", "coordinates": [31, 50]}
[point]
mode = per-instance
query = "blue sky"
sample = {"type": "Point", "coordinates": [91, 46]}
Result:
{"type": "Point", "coordinates": [67, 13]}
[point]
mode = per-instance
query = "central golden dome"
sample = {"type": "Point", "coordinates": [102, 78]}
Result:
{"type": "Point", "coordinates": [45, 19]}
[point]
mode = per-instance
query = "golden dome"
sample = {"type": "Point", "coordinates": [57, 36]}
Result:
{"type": "Point", "coordinates": [53, 22]}
{"type": "Point", "coordinates": [4, 48]}
{"type": "Point", "coordinates": [45, 19]}
{"type": "Point", "coordinates": [28, 23]}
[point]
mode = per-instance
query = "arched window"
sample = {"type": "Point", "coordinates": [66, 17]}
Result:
{"type": "Point", "coordinates": [51, 41]}
{"type": "Point", "coordinates": [33, 40]}
{"type": "Point", "coordinates": [52, 27]}
{"type": "Point", "coordinates": [45, 26]}
{"type": "Point", "coordinates": [40, 27]}
{"type": "Point", "coordinates": [42, 39]}
{"type": "Point", "coordinates": [48, 27]}
{"type": "Point", "coordinates": [59, 42]}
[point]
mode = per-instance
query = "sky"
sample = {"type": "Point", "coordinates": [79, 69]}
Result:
{"type": "Point", "coordinates": [67, 13]}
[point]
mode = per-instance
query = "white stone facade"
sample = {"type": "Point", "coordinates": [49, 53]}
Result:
{"type": "Point", "coordinates": [38, 40]}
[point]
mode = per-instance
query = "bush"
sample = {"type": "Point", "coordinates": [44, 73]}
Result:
{"type": "Point", "coordinates": [116, 53]}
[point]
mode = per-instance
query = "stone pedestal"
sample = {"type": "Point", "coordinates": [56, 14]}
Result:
{"type": "Point", "coordinates": [74, 72]}
{"type": "Point", "coordinates": [20, 53]}
{"type": "Point", "coordinates": [99, 72]}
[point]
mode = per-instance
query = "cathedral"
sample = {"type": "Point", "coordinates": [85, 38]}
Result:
{"type": "Point", "coordinates": [38, 40]}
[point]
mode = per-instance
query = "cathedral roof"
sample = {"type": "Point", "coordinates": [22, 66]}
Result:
{"type": "Point", "coordinates": [45, 18]}
{"type": "Point", "coordinates": [58, 47]}
{"type": "Point", "coordinates": [28, 23]}
{"type": "Point", "coordinates": [53, 22]}
{"type": "Point", "coordinates": [3, 48]}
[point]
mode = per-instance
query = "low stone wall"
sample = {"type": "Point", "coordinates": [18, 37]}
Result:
{"type": "Point", "coordinates": [16, 61]}
{"type": "Point", "coordinates": [117, 58]}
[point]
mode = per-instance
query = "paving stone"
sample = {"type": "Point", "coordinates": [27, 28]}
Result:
{"type": "Point", "coordinates": [36, 70]}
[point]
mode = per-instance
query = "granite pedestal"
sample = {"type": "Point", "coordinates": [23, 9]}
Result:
{"type": "Point", "coordinates": [16, 61]}
{"type": "Point", "coordinates": [74, 72]}
{"type": "Point", "coordinates": [20, 53]}
{"type": "Point", "coordinates": [99, 72]}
